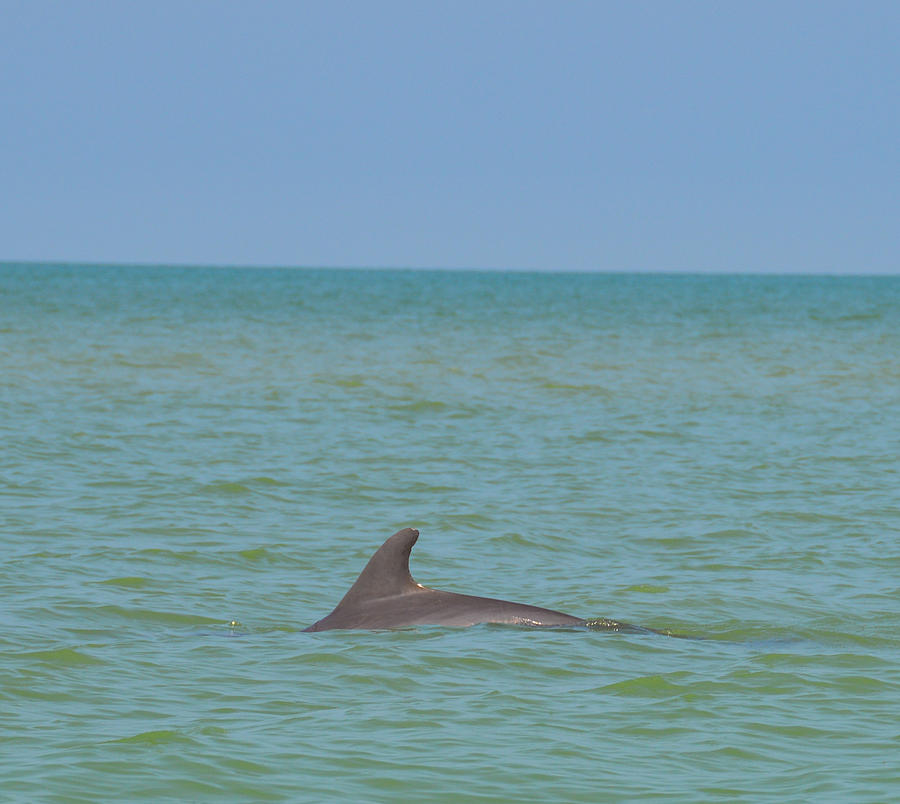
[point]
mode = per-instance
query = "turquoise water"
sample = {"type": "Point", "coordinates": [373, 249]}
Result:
{"type": "Point", "coordinates": [184, 448]}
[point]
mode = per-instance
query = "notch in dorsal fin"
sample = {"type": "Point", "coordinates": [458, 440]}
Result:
{"type": "Point", "coordinates": [387, 572]}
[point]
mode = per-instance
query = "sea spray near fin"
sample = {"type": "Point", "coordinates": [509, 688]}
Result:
{"type": "Point", "coordinates": [603, 624]}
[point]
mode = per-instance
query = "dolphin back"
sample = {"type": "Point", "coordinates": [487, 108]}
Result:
{"type": "Point", "coordinates": [386, 596]}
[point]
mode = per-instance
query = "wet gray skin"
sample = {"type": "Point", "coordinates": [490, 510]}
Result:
{"type": "Point", "coordinates": [386, 596]}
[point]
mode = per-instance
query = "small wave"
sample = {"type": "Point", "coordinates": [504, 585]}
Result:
{"type": "Point", "coordinates": [594, 436]}
{"type": "Point", "coordinates": [226, 487]}
{"type": "Point", "coordinates": [645, 687]}
{"type": "Point", "coordinates": [471, 519]}
{"type": "Point", "coordinates": [420, 406]}
{"type": "Point", "coordinates": [63, 657]}
{"type": "Point", "coordinates": [264, 554]}
{"type": "Point", "coordinates": [667, 434]}
{"type": "Point", "coordinates": [125, 583]}
{"type": "Point", "coordinates": [730, 533]}
{"type": "Point", "coordinates": [343, 382]}
{"type": "Point", "coordinates": [516, 539]}
{"type": "Point", "coordinates": [263, 480]}
{"type": "Point", "coordinates": [148, 615]}
{"type": "Point", "coordinates": [577, 388]}
{"type": "Point", "coordinates": [159, 737]}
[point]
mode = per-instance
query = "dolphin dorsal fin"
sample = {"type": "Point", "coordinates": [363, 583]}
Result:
{"type": "Point", "coordinates": [387, 573]}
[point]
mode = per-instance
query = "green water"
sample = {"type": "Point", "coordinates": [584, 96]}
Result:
{"type": "Point", "coordinates": [715, 456]}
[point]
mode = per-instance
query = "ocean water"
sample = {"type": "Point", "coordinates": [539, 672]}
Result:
{"type": "Point", "coordinates": [196, 463]}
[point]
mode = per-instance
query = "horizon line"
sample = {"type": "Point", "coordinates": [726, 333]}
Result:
{"type": "Point", "coordinates": [68, 263]}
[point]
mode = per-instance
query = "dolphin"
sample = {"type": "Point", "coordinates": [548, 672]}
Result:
{"type": "Point", "coordinates": [386, 596]}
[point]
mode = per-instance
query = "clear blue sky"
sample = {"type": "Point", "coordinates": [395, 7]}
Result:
{"type": "Point", "coordinates": [751, 136]}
